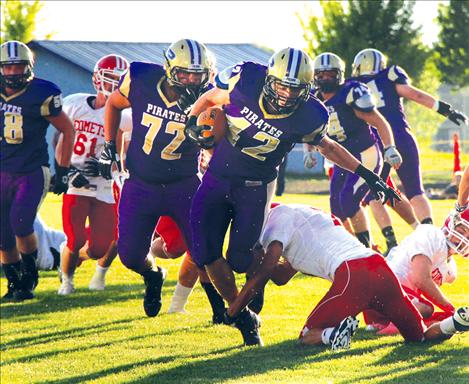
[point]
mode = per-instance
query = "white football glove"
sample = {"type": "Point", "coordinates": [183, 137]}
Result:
{"type": "Point", "coordinates": [392, 156]}
{"type": "Point", "coordinates": [309, 160]}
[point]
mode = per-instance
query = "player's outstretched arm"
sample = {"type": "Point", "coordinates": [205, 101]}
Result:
{"type": "Point", "coordinates": [423, 98]}
{"type": "Point", "coordinates": [421, 276]}
{"type": "Point", "coordinates": [376, 119]}
{"type": "Point", "coordinates": [336, 153]}
{"type": "Point", "coordinates": [64, 125]}
{"type": "Point", "coordinates": [265, 265]}
{"type": "Point", "coordinates": [112, 114]}
{"type": "Point", "coordinates": [463, 194]}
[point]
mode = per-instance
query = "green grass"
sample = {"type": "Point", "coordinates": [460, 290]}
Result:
{"type": "Point", "coordinates": [104, 337]}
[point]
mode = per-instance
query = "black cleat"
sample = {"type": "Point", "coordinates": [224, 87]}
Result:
{"type": "Point", "coordinates": [9, 296]}
{"type": "Point", "coordinates": [248, 323]}
{"type": "Point", "coordinates": [152, 299]}
{"type": "Point", "coordinates": [13, 274]}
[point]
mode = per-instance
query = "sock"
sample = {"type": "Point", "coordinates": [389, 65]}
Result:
{"type": "Point", "coordinates": [447, 326]}
{"type": "Point", "coordinates": [364, 238]}
{"type": "Point", "coordinates": [67, 278]}
{"type": "Point", "coordinates": [427, 220]}
{"type": "Point", "coordinates": [12, 272]}
{"type": "Point", "coordinates": [216, 301]}
{"type": "Point", "coordinates": [388, 233]}
{"type": "Point", "coordinates": [326, 335]}
{"type": "Point", "coordinates": [29, 261]}
{"type": "Point", "coordinates": [101, 271]}
{"type": "Point", "coordinates": [179, 299]}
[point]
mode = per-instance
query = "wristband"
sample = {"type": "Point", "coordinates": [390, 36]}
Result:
{"type": "Point", "coordinates": [444, 108]}
{"type": "Point", "coordinates": [365, 173]}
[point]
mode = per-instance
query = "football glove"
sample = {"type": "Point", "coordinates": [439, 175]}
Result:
{"type": "Point", "coordinates": [447, 110]}
{"type": "Point", "coordinates": [195, 133]}
{"type": "Point", "coordinates": [91, 167]}
{"type": "Point", "coordinates": [187, 98]}
{"type": "Point", "coordinates": [309, 160]}
{"type": "Point", "coordinates": [59, 182]}
{"type": "Point", "coordinates": [108, 157]}
{"type": "Point", "coordinates": [76, 178]}
{"type": "Point", "coordinates": [392, 156]}
{"type": "Point", "coordinates": [378, 186]}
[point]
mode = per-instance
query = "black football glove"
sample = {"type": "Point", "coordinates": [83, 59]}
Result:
{"type": "Point", "coordinates": [378, 186]}
{"type": "Point", "coordinates": [108, 157]}
{"type": "Point", "coordinates": [447, 110]}
{"type": "Point", "coordinates": [187, 98]}
{"type": "Point", "coordinates": [195, 133]}
{"type": "Point", "coordinates": [91, 167]}
{"type": "Point", "coordinates": [59, 182]}
{"type": "Point", "coordinates": [76, 178]}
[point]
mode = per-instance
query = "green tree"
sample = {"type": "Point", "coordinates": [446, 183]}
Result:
{"type": "Point", "coordinates": [453, 45]}
{"type": "Point", "coordinates": [384, 25]}
{"type": "Point", "coordinates": [19, 19]}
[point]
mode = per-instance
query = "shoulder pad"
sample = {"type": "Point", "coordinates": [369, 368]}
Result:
{"type": "Point", "coordinates": [397, 75]}
{"type": "Point", "coordinates": [359, 97]}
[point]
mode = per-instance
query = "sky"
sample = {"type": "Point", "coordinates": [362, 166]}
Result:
{"type": "Point", "coordinates": [272, 24]}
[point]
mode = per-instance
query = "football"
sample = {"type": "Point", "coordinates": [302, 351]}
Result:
{"type": "Point", "coordinates": [215, 118]}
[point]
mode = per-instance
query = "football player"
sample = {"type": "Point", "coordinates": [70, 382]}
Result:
{"type": "Point", "coordinates": [352, 113]}
{"type": "Point", "coordinates": [463, 194]}
{"type": "Point", "coordinates": [423, 262]}
{"type": "Point", "coordinates": [316, 244]}
{"type": "Point", "coordinates": [161, 162]}
{"type": "Point", "coordinates": [268, 110]}
{"type": "Point", "coordinates": [27, 106]}
{"type": "Point", "coordinates": [89, 196]}
{"type": "Point", "coordinates": [389, 85]}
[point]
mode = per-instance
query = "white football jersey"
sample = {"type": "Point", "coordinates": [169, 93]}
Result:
{"type": "Point", "coordinates": [313, 242]}
{"type": "Point", "coordinates": [426, 240]}
{"type": "Point", "coordinates": [89, 141]}
{"type": "Point", "coordinates": [46, 238]}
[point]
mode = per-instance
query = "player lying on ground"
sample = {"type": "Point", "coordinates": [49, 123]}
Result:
{"type": "Point", "coordinates": [316, 244]}
{"type": "Point", "coordinates": [422, 263]}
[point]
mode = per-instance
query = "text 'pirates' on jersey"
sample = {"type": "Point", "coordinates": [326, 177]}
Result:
{"type": "Point", "coordinates": [256, 141]}
{"type": "Point", "coordinates": [158, 151]}
{"type": "Point", "coordinates": [23, 146]}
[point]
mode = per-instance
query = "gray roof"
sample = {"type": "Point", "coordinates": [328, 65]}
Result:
{"type": "Point", "coordinates": [86, 53]}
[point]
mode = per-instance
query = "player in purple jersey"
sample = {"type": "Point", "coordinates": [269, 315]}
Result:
{"type": "Point", "coordinates": [351, 115]}
{"type": "Point", "coordinates": [161, 162]}
{"type": "Point", "coordinates": [268, 110]}
{"type": "Point", "coordinates": [27, 106]}
{"type": "Point", "coordinates": [389, 85]}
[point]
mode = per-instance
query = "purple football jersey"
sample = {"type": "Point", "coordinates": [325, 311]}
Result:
{"type": "Point", "coordinates": [23, 146]}
{"type": "Point", "coordinates": [388, 102]}
{"type": "Point", "coordinates": [158, 152]}
{"type": "Point", "coordinates": [256, 141]}
{"type": "Point", "coordinates": [344, 126]}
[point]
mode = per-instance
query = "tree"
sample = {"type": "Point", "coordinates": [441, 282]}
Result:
{"type": "Point", "coordinates": [453, 45]}
{"type": "Point", "coordinates": [19, 20]}
{"type": "Point", "coordinates": [384, 25]}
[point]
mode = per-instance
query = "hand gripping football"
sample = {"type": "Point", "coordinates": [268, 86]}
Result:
{"type": "Point", "coordinates": [213, 117]}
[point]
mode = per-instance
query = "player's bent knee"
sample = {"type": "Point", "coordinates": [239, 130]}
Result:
{"type": "Point", "coordinates": [239, 261]}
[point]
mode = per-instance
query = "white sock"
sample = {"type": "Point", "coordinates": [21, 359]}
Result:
{"type": "Point", "coordinates": [180, 297]}
{"type": "Point", "coordinates": [101, 271]}
{"type": "Point", "coordinates": [67, 278]}
{"type": "Point", "coordinates": [447, 326]}
{"type": "Point", "coordinates": [326, 335]}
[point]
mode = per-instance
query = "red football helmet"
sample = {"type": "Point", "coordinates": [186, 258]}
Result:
{"type": "Point", "coordinates": [460, 222]}
{"type": "Point", "coordinates": [108, 71]}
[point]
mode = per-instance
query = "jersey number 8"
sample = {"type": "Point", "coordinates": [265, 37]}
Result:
{"type": "Point", "coordinates": [13, 129]}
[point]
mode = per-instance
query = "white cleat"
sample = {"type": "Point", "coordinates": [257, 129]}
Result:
{"type": "Point", "coordinates": [342, 334]}
{"type": "Point", "coordinates": [66, 288]}
{"type": "Point", "coordinates": [97, 283]}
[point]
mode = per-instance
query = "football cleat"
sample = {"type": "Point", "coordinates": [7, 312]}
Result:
{"type": "Point", "coordinates": [13, 275]}
{"type": "Point", "coordinates": [461, 319]}
{"type": "Point", "coordinates": [66, 288]}
{"type": "Point", "coordinates": [152, 299]}
{"type": "Point", "coordinates": [342, 334]}
{"type": "Point", "coordinates": [248, 323]}
{"type": "Point", "coordinates": [97, 282]}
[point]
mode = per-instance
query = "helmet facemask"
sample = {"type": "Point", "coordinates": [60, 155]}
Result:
{"type": "Point", "coordinates": [15, 53]}
{"type": "Point", "coordinates": [273, 89]}
{"type": "Point", "coordinates": [16, 81]}
{"type": "Point", "coordinates": [105, 77]}
{"type": "Point", "coordinates": [178, 73]}
{"type": "Point", "coordinates": [328, 85]}
{"type": "Point", "coordinates": [457, 235]}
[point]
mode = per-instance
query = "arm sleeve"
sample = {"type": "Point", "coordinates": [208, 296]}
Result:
{"type": "Point", "coordinates": [360, 98]}
{"type": "Point", "coordinates": [315, 137]}
{"type": "Point", "coordinates": [124, 83]}
{"type": "Point", "coordinates": [52, 104]}
{"type": "Point", "coordinates": [229, 77]}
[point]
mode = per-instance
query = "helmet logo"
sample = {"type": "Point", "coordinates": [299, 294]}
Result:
{"type": "Point", "coordinates": [171, 55]}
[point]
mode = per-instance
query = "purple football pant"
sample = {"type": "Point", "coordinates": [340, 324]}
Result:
{"type": "Point", "coordinates": [347, 189]}
{"type": "Point", "coordinates": [140, 207]}
{"type": "Point", "coordinates": [409, 172]}
{"type": "Point", "coordinates": [218, 203]}
{"type": "Point", "coordinates": [20, 195]}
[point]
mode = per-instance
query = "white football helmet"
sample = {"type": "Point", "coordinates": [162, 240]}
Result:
{"type": "Point", "coordinates": [456, 230]}
{"type": "Point", "coordinates": [107, 71]}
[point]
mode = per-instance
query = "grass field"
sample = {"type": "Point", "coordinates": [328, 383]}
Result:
{"type": "Point", "coordinates": [105, 337]}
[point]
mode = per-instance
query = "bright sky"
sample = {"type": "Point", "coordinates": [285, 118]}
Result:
{"type": "Point", "coordinates": [268, 23]}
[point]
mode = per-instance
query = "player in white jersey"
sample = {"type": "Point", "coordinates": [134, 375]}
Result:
{"type": "Point", "coordinates": [316, 243]}
{"type": "Point", "coordinates": [422, 263]}
{"type": "Point", "coordinates": [89, 195]}
{"type": "Point", "coordinates": [49, 242]}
